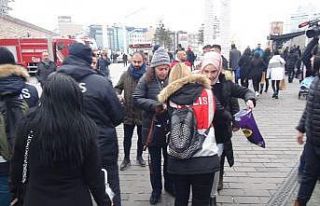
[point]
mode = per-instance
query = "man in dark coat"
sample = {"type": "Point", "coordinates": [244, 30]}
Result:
{"type": "Point", "coordinates": [133, 116]}
{"type": "Point", "coordinates": [234, 57]}
{"type": "Point", "coordinates": [103, 64]}
{"type": "Point", "coordinates": [309, 124]}
{"type": "Point", "coordinates": [291, 63]}
{"type": "Point", "coordinates": [102, 105]}
{"type": "Point", "coordinates": [45, 68]}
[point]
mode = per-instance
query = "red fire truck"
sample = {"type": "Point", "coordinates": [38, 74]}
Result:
{"type": "Point", "coordinates": [28, 51]}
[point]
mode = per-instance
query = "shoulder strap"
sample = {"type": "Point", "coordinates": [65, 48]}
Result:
{"type": "Point", "coordinates": [25, 161]}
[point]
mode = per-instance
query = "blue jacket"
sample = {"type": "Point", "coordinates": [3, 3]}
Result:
{"type": "Point", "coordinates": [101, 104]}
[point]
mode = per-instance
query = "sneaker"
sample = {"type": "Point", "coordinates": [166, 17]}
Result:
{"type": "Point", "coordinates": [141, 161]}
{"type": "Point", "coordinates": [125, 164]}
{"type": "Point", "coordinates": [257, 94]}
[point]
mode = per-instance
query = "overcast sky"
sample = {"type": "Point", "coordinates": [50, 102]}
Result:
{"type": "Point", "coordinates": [250, 19]}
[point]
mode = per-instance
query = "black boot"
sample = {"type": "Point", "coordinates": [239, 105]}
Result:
{"type": "Point", "coordinates": [141, 161]}
{"type": "Point", "coordinates": [125, 164]}
{"type": "Point", "coordinates": [154, 199]}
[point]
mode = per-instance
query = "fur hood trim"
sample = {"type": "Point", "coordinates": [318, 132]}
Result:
{"type": "Point", "coordinates": [7, 70]}
{"type": "Point", "coordinates": [178, 84]}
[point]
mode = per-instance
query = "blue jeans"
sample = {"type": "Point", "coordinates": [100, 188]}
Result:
{"type": "Point", "coordinates": [311, 172]}
{"type": "Point", "coordinates": [5, 196]}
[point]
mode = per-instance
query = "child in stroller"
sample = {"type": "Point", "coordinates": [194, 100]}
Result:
{"type": "Point", "coordinates": [304, 87]}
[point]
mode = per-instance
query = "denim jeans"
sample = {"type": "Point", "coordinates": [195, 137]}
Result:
{"type": "Point", "coordinates": [311, 172]}
{"type": "Point", "coordinates": [5, 195]}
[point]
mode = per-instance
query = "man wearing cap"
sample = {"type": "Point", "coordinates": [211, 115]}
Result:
{"type": "Point", "coordinates": [145, 98]}
{"type": "Point", "coordinates": [102, 105]}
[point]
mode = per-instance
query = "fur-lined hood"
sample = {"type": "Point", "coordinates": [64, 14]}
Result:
{"type": "Point", "coordinates": [7, 70]}
{"type": "Point", "coordinates": [178, 84]}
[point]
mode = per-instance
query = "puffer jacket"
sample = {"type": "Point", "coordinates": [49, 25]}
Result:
{"type": "Point", "coordinates": [145, 98]}
{"type": "Point", "coordinates": [310, 120]}
{"type": "Point", "coordinates": [194, 90]}
{"type": "Point", "coordinates": [12, 81]}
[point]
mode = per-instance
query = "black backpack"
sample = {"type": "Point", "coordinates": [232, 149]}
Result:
{"type": "Point", "coordinates": [184, 140]}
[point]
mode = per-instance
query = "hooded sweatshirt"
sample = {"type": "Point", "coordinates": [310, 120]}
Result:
{"type": "Point", "coordinates": [194, 90]}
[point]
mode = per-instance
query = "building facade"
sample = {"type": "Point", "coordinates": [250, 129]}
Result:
{"type": "Point", "coordinates": [11, 27]}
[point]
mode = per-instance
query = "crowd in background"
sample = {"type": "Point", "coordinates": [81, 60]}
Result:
{"type": "Point", "coordinates": [53, 152]}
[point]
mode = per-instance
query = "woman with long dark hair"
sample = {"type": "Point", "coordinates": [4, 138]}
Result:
{"type": "Point", "coordinates": [63, 165]}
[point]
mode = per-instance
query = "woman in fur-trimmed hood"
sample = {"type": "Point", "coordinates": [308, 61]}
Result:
{"type": "Point", "coordinates": [185, 88]}
{"type": "Point", "coordinates": [12, 107]}
{"type": "Point", "coordinates": [12, 78]}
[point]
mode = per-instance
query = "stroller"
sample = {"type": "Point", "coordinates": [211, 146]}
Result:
{"type": "Point", "coordinates": [304, 87]}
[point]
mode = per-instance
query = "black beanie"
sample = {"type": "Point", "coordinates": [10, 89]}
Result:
{"type": "Point", "coordinates": [6, 57]}
{"type": "Point", "coordinates": [81, 51]}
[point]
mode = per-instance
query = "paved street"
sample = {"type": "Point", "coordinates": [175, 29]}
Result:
{"type": "Point", "coordinates": [259, 176]}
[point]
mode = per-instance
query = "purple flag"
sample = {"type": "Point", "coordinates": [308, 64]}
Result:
{"type": "Point", "coordinates": [245, 120]}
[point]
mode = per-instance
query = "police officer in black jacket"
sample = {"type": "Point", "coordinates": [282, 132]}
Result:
{"type": "Point", "coordinates": [102, 105]}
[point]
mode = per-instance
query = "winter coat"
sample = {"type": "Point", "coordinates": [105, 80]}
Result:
{"type": "Point", "coordinates": [145, 98]}
{"type": "Point", "coordinates": [291, 61]}
{"type": "Point", "coordinates": [276, 68]}
{"type": "Point", "coordinates": [100, 102]}
{"type": "Point", "coordinates": [44, 70]}
{"type": "Point", "coordinates": [227, 93]}
{"type": "Point", "coordinates": [127, 84]}
{"type": "Point", "coordinates": [256, 68]}
{"type": "Point", "coordinates": [244, 64]}
{"type": "Point", "coordinates": [309, 122]}
{"type": "Point", "coordinates": [12, 81]}
{"type": "Point", "coordinates": [103, 66]}
{"type": "Point", "coordinates": [307, 54]}
{"type": "Point", "coordinates": [61, 183]}
{"type": "Point", "coordinates": [234, 57]}
{"type": "Point", "coordinates": [194, 90]}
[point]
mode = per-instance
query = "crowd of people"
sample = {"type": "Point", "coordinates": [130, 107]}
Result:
{"type": "Point", "coordinates": [54, 147]}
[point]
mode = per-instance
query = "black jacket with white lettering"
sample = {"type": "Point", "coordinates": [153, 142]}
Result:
{"type": "Point", "coordinates": [101, 104]}
{"type": "Point", "coordinates": [30, 95]}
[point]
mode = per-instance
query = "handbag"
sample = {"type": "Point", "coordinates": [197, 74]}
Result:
{"type": "Point", "coordinates": [159, 128]}
{"type": "Point", "coordinates": [21, 190]}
